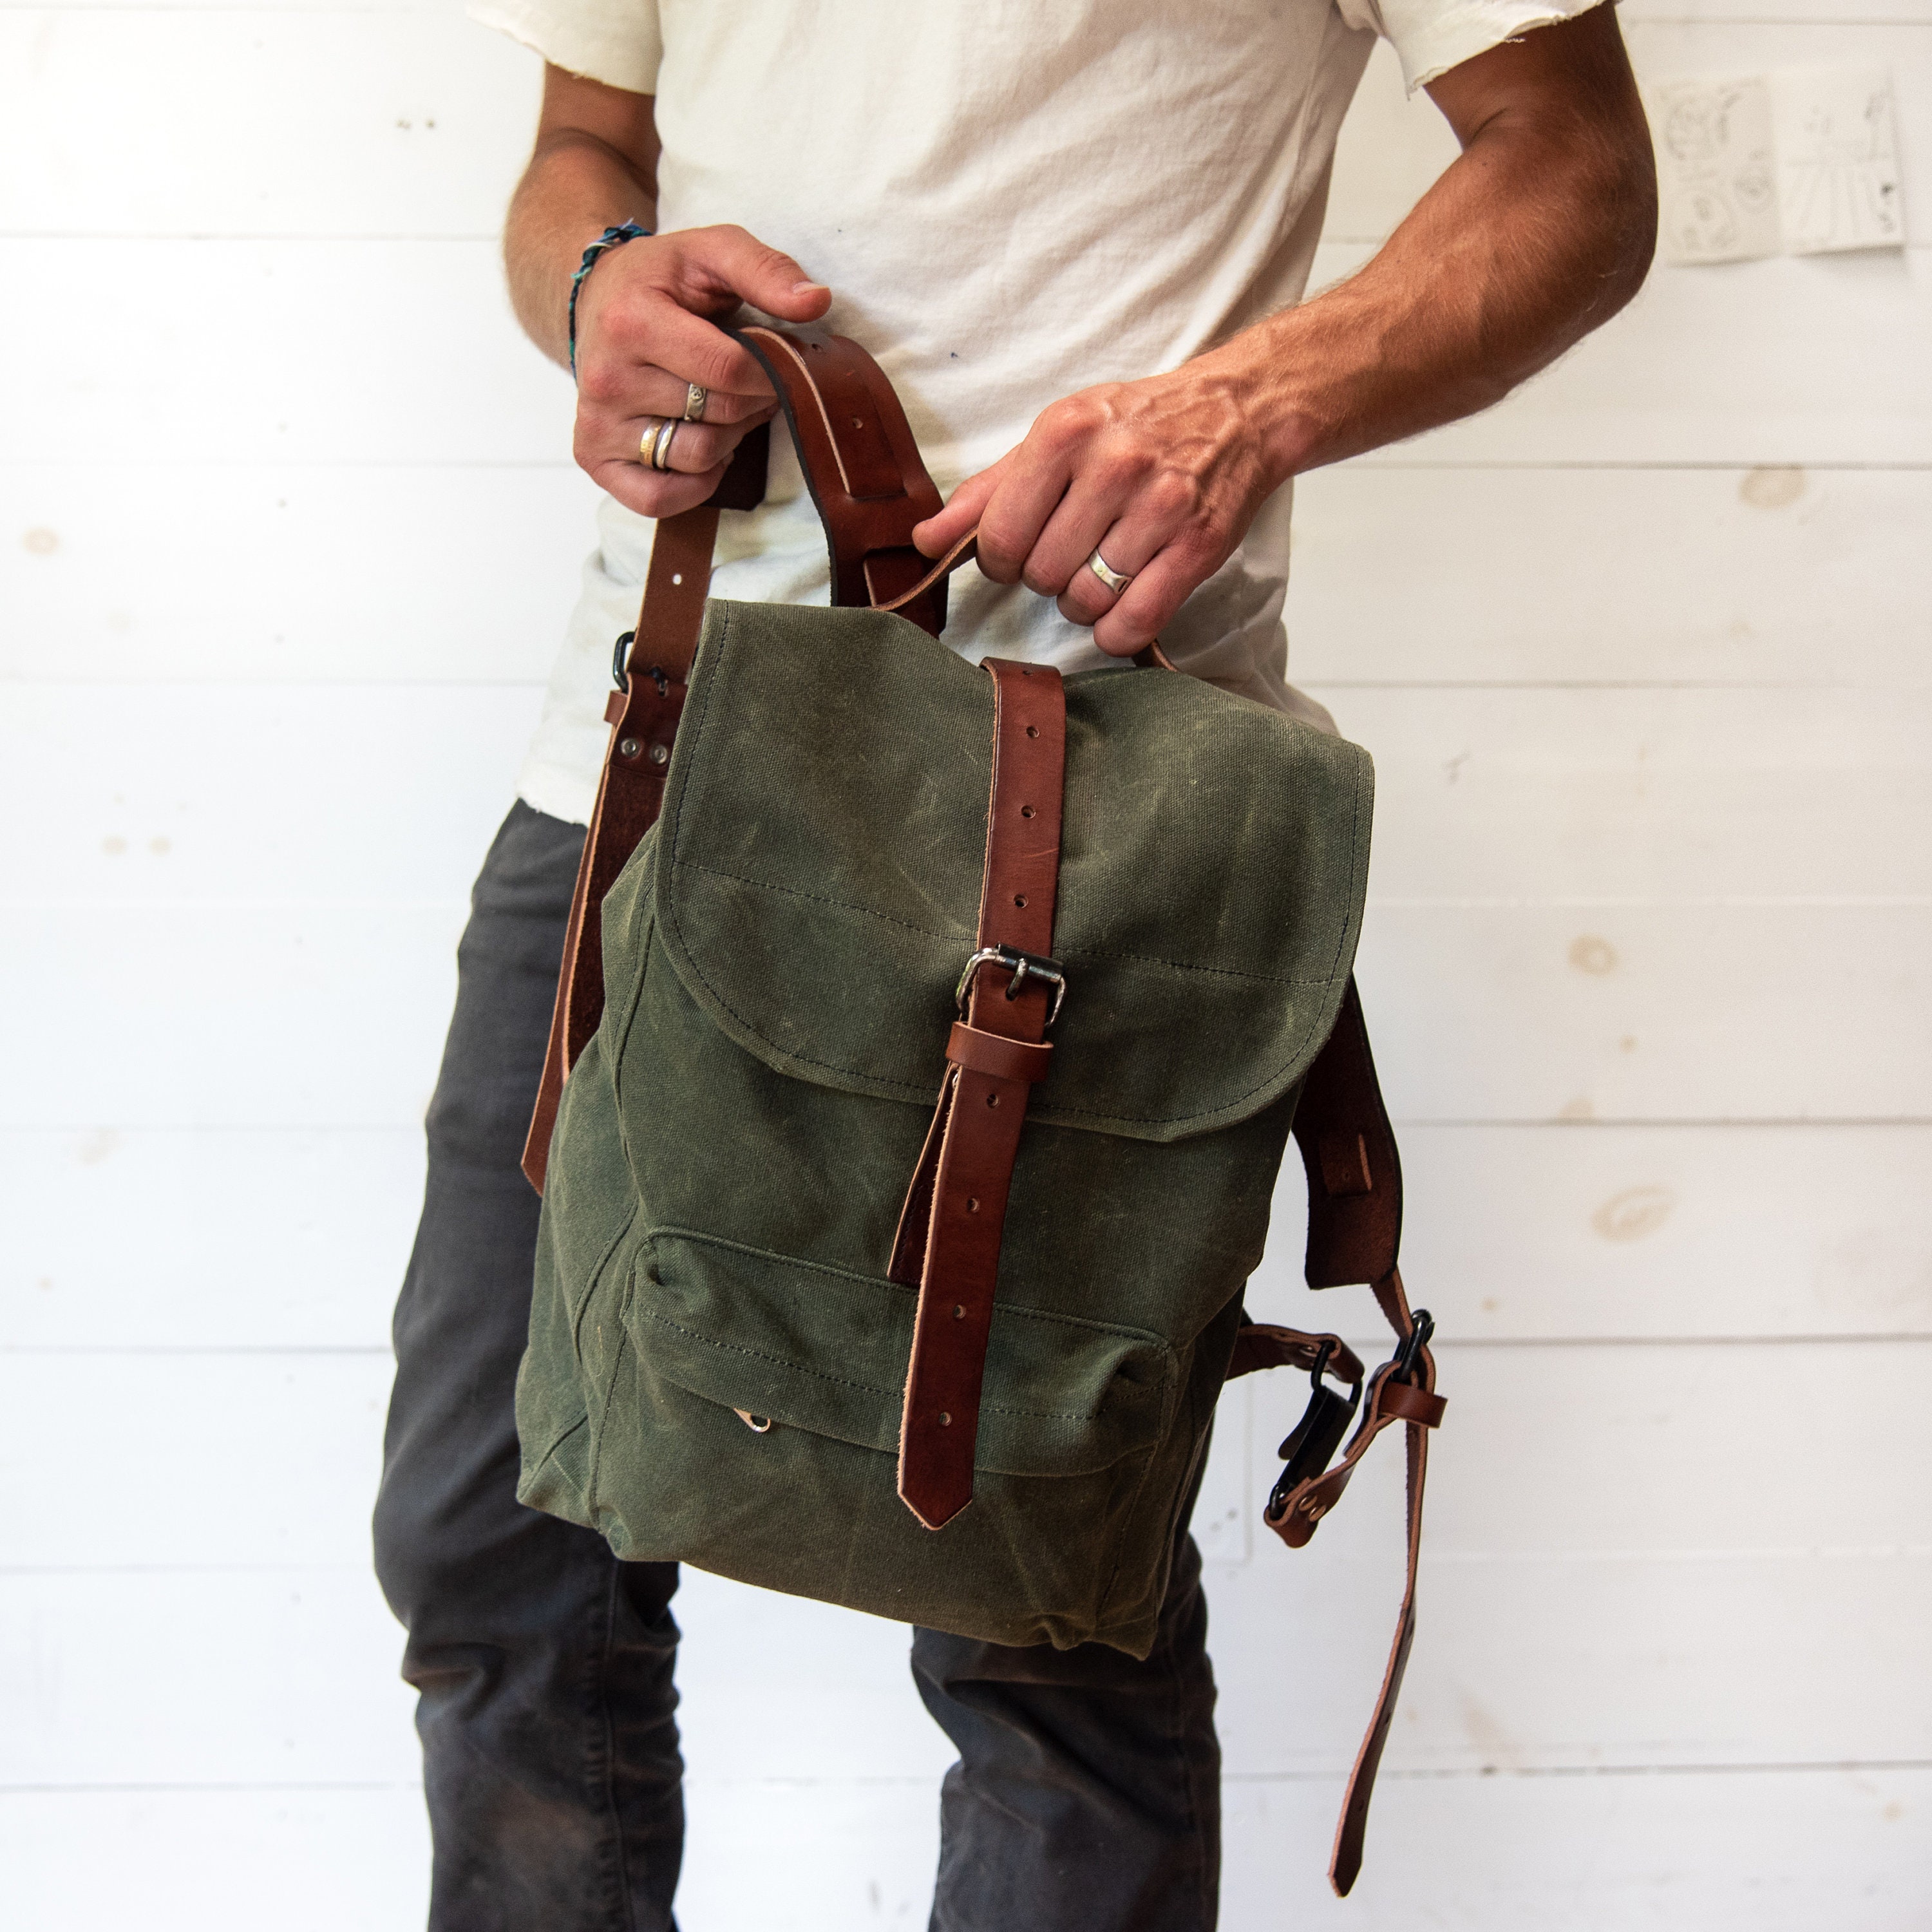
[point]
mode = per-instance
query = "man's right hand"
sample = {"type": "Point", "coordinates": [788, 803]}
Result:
{"type": "Point", "coordinates": [646, 311]}
{"type": "Point", "coordinates": [646, 331]}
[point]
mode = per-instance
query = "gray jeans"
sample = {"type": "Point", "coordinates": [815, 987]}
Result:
{"type": "Point", "coordinates": [1086, 1796]}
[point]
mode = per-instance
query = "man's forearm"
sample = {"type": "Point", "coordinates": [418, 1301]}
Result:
{"type": "Point", "coordinates": [1538, 232]}
{"type": "Point", "coordinates": [575, 187]}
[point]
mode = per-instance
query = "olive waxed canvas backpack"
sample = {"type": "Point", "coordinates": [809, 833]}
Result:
{"type": "Point", "coordinates": [934, 1033]}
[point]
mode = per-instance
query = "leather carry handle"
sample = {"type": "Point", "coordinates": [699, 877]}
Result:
{"type": "Point", "coordinates": [862, 464]}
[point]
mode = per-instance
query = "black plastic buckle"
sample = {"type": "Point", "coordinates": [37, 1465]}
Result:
{"type": "Point", "coordinates": [1406, 1363]}
{"type": "Point", "coordinates": [620, 675]}
{"type": "Point", "coordinates": [1310, 1446]}
{"type": "Point", "coordinates": [1023, 966]}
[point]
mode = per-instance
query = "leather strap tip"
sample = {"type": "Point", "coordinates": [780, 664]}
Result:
{"type": "Point", "coordinates": [1408, 1403]}
{"type": "Point", "coordinates": [934, 1513]}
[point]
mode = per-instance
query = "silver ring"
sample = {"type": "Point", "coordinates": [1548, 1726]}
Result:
{"type": "Point", "coordinates": [654, 446]}
{"type": "Point", "coordinates": [695, 397]}
{"type": "Point", "coordinates": [1108, 574]}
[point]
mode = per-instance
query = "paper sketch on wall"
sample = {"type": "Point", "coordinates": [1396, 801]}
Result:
{"type": "Point", "coordinates": [1800, 161]}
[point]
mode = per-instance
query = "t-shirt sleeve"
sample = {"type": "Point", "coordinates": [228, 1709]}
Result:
{"type": "Point", "coordinates": [616, 41]}
{"type": "Point", "coordinates": [1432, 36]}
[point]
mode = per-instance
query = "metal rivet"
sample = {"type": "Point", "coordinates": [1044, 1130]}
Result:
{"type": "Point", "coordinates": [628, 748]}
{"type": "Point", "coordinates": [959, 1313]}
{"type": "Point", "coordinates": [759, 1425]}
{"type": "Point", "coordinates": [992, 1100]}
{"type": "Point", "coordinates": [1033, 731]}
{"type": "Point", "coordinates": [972, 1204]}
{"type": "Point", "coordinates": [660, 754]}
{"type": "Point", "coordinates": [1019, 900]}
{"type": "Point", "coordinates": [1026, 812]}
{"type": "Point", "coordinates": [858, 422]}
{"type": "Point", "coordinates": [945, 1420]}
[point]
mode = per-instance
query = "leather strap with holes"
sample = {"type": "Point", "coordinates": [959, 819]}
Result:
{"type": "Point", "coordinates": [1354, 1232]}
{"type": "Point", "coordinates": [951, 1228]}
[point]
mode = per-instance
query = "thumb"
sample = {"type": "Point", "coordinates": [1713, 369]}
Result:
{"type": "Point", "coordinates": [740, 264]}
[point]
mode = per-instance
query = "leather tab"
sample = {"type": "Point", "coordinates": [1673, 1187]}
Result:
{"type": "Point", "coordinates": [1406, 1402]}
{"type": "Point", "coordinates": [1260, 1345]}
{"type": "Point", "coordinates": [993, 1054]}
{"type": "Point", "coordinates": [952, 1227]}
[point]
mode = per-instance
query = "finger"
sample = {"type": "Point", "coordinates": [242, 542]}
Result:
{"type": "Point", "coordinates": [693, 449]}
{"type": "Point", "coordinates": [1144, 609]}
{"type": "Point", "coordinates": [645, 328]}
{"type": "Point", "coordinates": [1033, 482]}
{"type": "Point", "coordinates": [657, 391]}
{"type": "Point", "coordinates": [937, 534]}
{"type": "Point", "coordinates": [1126, 545]}
{"type": "Point", "coordinates": [653, 492]}
{"type": "Point", "coordinates": [727, 261]}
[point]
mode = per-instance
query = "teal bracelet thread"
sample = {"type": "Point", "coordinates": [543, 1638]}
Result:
{"type": "Point", "coordinates": [611, 238]}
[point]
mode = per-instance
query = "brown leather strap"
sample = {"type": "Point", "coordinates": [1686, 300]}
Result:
{"type": "Point", "coordinates": [951, 1226]}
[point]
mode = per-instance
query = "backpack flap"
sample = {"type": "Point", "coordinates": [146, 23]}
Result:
{"type": "Point", "coordinates": [819, 862]}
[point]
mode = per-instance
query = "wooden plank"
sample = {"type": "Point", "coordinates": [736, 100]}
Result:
{"type": "Point", "coordinates": [1717, 366]}
{"type": "Point", "coordinates": [329, 369]}
{"type": "Point", "coordinates": [425, 118]}
{"type": "Point", "coordinates": [336, 1211]}
{"type": "Point", "coordinates": [1698, 1012]}
{"type": "Point", "coordinates": [1745, 577]}
{"type": "Point", "coordinates": [446, 574]}
{"type": "Point", "coordinates": [1721, 366]}
{"type": "Point", "coordinates": [1545, 1665]}
{"type": "Point", "coordinates": [244, 1460]}
{"type": "Point", "coordinates": [1544, 795]}
{"type": "Point", "coordinates": [198, 1016]}
{"type": "Point", "coordinates": [247, 1677]}
{"type": "Point", "coordinates": [1594, 577]}
{"type": "Point", "coordinates": [1646, 796]}
{"type": "Point", "coordinates": [1512, 1233]}
{"type": "Point", "coordinates": [208, 1015]}
{"type": "Point", "coordinates": [1782, 1851]}
{"type": "Point", "coordinates": [224, 1861]}
{"type": "Point", "coordinates": [274, 794]}
{"type": "Point", "coordinates": [1393, 145]}
{"type": "Point", "coordinates": [1787, 1851]}
{"type": "Point", "coordinates": [285, 1676]}
{"type": "Point", "coordinates": [1838, 1421]}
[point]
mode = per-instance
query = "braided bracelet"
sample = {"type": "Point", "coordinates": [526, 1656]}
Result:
{"type": "Point", "coordinates": [611, 238]}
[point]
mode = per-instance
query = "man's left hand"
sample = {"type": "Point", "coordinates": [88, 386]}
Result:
{"type": "Point", "coordinates": [1161, 477]}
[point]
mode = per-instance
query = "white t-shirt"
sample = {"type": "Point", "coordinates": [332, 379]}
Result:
{"type": "Point", "coordinates": [1011, 200]}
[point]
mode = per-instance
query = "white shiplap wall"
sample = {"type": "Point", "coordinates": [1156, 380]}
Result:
{"type": "Point", "coordinates": [1641, 658]}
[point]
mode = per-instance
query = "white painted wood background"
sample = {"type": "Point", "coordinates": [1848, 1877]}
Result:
{"type": "Point", "coordinates": [287, 533]}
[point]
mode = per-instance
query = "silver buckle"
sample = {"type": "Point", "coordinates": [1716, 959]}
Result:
{"type": "Point", "coordinates": [1023, 966]}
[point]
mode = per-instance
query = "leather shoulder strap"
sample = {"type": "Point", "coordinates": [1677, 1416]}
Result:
{"type": "Point", "coordinates": [1355, 1232]}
